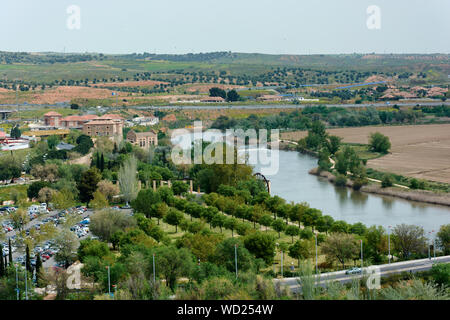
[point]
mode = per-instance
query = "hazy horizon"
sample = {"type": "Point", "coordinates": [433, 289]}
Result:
{"type": "Point", "coordinates": [264, 26]}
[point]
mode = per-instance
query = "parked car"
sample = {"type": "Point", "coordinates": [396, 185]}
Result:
{"type": "Point", "coordinates": [353, 271]}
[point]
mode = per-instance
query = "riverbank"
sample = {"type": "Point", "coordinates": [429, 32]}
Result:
{"type": "Point", "coordinates": [411, 195]}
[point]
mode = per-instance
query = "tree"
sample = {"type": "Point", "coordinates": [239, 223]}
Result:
{"type": "Point", "coordinates": [99, 201]}
{"type": "Point", "coordinates": [2, 267]}
{"type": "Point", "coordinates": [53, 141]}
{"type": "Point", "coordinates": [67, 244]}
{"type": "Point", "coordinates": [261, 245]}
{"type": "Point", "coordinates": [376, 243]}
{"type": "Point", "coordinates": [10, 252]}
{"type": "Point", "coordinates": [443, 239]}
{"type": "Point", "coordinates": [48, 171]}
{"type": "Point", "coordinates": [292, 231]}
{"type": "Point", "coordinates": [379, 143]}
{"type": "Point", "coordinates": [224, 255]}
{"type": "Point", "coordinates": [174, 217]}
{"type": "Point", "coordinates": [386, 181]}
{"type": "Point", "coordinates": [160, 211]}
{"type": "Point", "coordinates": [63, 199]}
{"type": "Point", "coordinates": [173, 263]}
{"type": "Point", "coordinates": [179, 187]}
{"type": "Point", "coordinates": [232, 95]}
{"type": "Point", "coordinates": [38, 267]}
{"type": "Point", "coordinates": [146, 201]}
{"type": "Point", "coordinates": [127, 177]}
{"type": "Point", "coordinates": [46, 194]}
{"type": "Point", "coordinates": [340, 247]}
{"type": "Point", "coordinates": [334, 144]}
{"type": "Point", "coordinates": [28, 260]}
{"type": "Point", "coordinates": [266, 220]}
{"type": "Point", "coordinates": [19, 218]}
{"type": "Point", "coordinates": [217, 92]}
{"type": "Point", "coordinates": [278, 225]}
{"type": "Point", "coordinates": [301, 249]}
{"type": "Point", "coordinates": [218, 221]}
{"type": "Point", "coordinates": [15, 132]}
{"type": "Point", "coordinates": [107, 221]}
{"type": "Point", "coordinates": [84, 144]}
{"type": "Point", "coordinates": [88, 184]}
{"type": "Point", "coordinates": [409, 239]}
{"type": "Point", "coordinates": [231, 224]}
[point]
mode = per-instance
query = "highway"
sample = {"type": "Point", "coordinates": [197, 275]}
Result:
{"type": "Point", "coordinates": [385, 270]}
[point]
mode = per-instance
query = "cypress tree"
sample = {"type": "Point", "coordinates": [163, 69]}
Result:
{"type": "Point", "coordinates": [27, 257]}
{"type": "Point", "coordinates": [102, 163]}
{"type": "Point", "coordinates": [10, 252]}
{"type": "Point", "coordinates": [115, 148]}
{"type": "Point", "coordinates": [38, 266]}
{"type": "Point", "coordinates": [2, 267]}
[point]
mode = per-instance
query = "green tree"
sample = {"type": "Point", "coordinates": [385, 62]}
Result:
{"type": "Point", "coordinates": [409, 239]}
{"type": "Point", "coordinates": [179, 187]}
{"type": "Point", "coordinates": [292, 231]}
{"type": "Point", "coordinates": [278, 225]}
{"type": "Point", "coordinates": [173, 263]}
{"type": "Point", "coordinates": [301, 250]}
{"type": "Point", "coordinates": [261, 245]}
{"type": "Point", "coordinates": [174, 217]}
{"type": "Point", "coordinates": [379, 143]}
{"type": "Point", "coordinates": [340, 247]}
{"type": "Point", "coordinates": [443, 239]}
{"type": "Point", "coordinates": [88, 184]}
{"type": "Point", "coordinates": [106, 222]}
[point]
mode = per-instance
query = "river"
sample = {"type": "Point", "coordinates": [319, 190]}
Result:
{"type": "Point", "coordinates": [291, 181]}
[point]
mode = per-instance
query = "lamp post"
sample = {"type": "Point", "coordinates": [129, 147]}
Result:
{"type": "Point", "coordinates": [315, 234]}
{"type": "Point", "coordinates": [154, 274]}
{"type": "Point", "coordinates": [389, 243]}
{"type": "Point", "coordinates": [17, 282]}
{"type": "Point", "coordinates": [362, 262]}
{"type": "Point", "coordinates": [26, 282]}
{"type": "Point", "coordinates": [109, 281]}
{"type": "Point", "coordinates": [281, 263]}
{"type": "Point", "coordinates": [235, 259]}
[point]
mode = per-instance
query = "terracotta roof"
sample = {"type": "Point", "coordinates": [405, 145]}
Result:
{"type": "Point", "coordinates": [52, 114]}
{"type": "Point", "coordinates": [145, 134]}
{"type": "Point", "coordinates": [80, 118]}
{"type": "Point", "coordinates": [100, 122]}
{"type": "Point", "coordinates": [46, 132]}
{"type": "Point", "coordinates": [111, 116]}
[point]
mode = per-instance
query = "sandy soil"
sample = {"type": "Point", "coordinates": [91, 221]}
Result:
{"type": "Point", "coordinates": [421, 151]}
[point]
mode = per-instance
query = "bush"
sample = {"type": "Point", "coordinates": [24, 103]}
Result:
{"type": "Point", "coordinates": [386, 181]}
{"type": "Point", "coordinates": [341, 180]}
{"type": "Point", "coordinates": [379, 143]}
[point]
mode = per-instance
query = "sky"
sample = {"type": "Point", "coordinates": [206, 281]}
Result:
{"type": "Point", "coordinates": [261, 26]}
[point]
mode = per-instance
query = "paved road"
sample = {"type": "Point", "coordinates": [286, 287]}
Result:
{"type": "Point", "coordinates": [385, 270]}
{"type": "Point", "coordinates": [292, 106]}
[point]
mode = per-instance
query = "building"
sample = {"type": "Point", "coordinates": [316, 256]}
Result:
{"type": "Point", "coordinates": [101, 128]}
{"type": "Point", "coordinates": [143, 139]}
{"type": "Point", "coordinates": [77, 122]}
{"type": "Point", "coordinates": [46, 133]}
{"type": "Point", "coordinates": [212, 99]}
{"type": "Point", "coordinates": [146, 121]}
{"type": "Point", "coordinates": [52, 119]}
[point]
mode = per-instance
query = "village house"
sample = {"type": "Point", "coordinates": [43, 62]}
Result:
{"type": "Point", "coordinates": [76, 122]}
{"type": "Point", "coordinates": [52, 119]}
{"type": "Point", "coordinates": [142, 139]}
{"type": "Point", "coordinates": [110, 125]}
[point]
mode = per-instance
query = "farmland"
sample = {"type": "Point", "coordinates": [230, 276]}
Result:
{"type": "Point", "coordinates": [420, 151]}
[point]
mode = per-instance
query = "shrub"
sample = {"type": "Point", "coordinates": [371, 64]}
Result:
{"type": "Point", "coordinates": [386, 181]}
{"type": "Point", "coordinates": [341, 180]}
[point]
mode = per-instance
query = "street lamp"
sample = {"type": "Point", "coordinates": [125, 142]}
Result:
{"type": "Point", "coordinates": [389, 244]}
{"type": "Point", "coordinates": [109, 281]}
{"type": "Point", "coordinates": [362, 264]}
{"type": "Point", "coordinates": [154, 275]}
{"type": "Point", "coordinates": [315, 234]}
{"type": "Point", "coordinates": [17, 282]}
